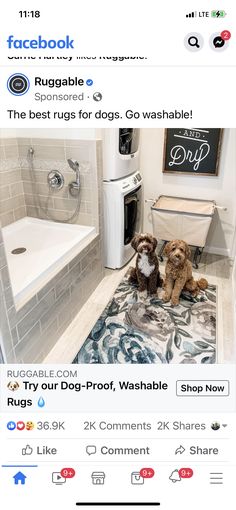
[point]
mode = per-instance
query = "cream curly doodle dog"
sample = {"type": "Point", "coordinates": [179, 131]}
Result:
{"type": "Point", "coordinates": [179, 272]}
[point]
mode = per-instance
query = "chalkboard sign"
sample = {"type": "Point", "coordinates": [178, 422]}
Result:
{"type": "Point", "coordinates": [192, 151]}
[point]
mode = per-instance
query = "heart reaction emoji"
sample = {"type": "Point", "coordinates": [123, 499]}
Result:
{"type": "Point", "coordinates": [20, 425]}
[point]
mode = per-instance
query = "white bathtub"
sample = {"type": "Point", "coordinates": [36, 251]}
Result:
{"type": "Point", "coordinates": [49, 247]}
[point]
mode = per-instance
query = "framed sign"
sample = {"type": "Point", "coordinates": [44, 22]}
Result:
{"type": "Point", "coordinates": [192, 151]}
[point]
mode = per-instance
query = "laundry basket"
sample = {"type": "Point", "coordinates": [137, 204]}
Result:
{"type": "Point", "coordinates": [183, 218]}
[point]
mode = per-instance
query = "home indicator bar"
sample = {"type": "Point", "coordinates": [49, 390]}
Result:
{"type": "Point", "coordinates": [153, 504]}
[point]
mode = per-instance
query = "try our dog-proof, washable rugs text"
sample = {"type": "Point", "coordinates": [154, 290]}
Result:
{"type": "Point", "coordinates": [131, 330]}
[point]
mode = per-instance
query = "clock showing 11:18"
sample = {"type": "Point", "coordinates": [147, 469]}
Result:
{"type": "Point", "coordinates": [29, 14]}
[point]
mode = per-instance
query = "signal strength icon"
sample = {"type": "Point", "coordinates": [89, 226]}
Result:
{"type": "Point", "coordinates": [192, 14]}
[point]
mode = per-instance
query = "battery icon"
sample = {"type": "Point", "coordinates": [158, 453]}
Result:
{"type": "Point", "coordinates": [218, 14]}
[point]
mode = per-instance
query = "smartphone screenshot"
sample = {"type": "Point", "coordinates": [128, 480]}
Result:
{"type": "Point", "coordinates": [117, 255]}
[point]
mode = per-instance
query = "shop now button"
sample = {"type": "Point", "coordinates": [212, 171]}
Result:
{"type": "Point", "coordinates": [205, 388]}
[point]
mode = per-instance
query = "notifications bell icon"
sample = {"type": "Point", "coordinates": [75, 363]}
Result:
{"type": "Point", "coordinates": [175, 477]}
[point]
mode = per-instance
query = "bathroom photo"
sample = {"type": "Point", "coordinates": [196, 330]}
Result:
{"type": "Point", "coordinates": [117, 245]}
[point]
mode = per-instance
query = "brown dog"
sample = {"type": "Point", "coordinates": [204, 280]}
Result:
{"type": "Point", "coordinates": [179, 272]}
{"type": "Point", "coordinates": [146, 273]}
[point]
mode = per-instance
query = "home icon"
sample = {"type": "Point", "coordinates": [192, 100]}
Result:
{"type": "Point", "coordinates": [98, 478]}
{"type": "Point", "coordinates": [19, 478]}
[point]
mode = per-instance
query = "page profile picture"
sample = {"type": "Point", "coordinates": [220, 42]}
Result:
{"type": "Point", "coordinates": [18, 84]}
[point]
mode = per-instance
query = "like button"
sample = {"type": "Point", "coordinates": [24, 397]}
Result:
{"type": "Point", "coordinates": [27, 450]}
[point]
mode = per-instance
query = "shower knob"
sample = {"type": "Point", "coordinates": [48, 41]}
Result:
{"type": "Point", "coordinates": [55, 180]}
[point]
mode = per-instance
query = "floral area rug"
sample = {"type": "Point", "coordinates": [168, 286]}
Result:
{"type": "Point", "coordinates": [131, 330]}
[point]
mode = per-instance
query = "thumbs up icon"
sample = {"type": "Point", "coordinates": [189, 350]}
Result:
{"type": "Point", "coordinates": [27, 450]}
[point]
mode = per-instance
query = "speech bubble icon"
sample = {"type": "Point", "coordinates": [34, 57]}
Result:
{"type": "Point", "coordinates": [91, 449]}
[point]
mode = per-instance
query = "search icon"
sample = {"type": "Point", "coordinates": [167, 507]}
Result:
{"type": "Point", "coordinates": [193, 41]}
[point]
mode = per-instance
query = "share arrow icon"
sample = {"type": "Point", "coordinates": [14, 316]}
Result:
{"type": "Point", "coordinates": [180, 450]}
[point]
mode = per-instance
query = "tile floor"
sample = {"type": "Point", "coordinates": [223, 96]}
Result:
{"type": "Point", "coordinates": [216, 268]}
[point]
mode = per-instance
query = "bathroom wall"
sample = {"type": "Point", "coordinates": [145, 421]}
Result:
{"type": "Point", "coordinates": [52, 154]}
{"type": "Point", "coordinates": [12, 200]}
{"type": "Point", "coordinates": [62, 133]}
{"type": "Point", "coordinates": [29, 333]}
{"type": "Point", "coordinates": [220, 188]}
{"type": "Point", "coordinates": [25, 192]}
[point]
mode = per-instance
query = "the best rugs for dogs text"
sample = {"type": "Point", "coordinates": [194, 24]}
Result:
{"type": "Point", "coordinates": [151, 331]}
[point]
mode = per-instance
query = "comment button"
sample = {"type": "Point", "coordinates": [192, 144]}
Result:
{"type": "Point", "coordinates": [202, 388]}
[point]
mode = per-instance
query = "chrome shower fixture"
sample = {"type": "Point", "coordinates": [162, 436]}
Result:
{"type": "Point", "coordinates": [55, 180]}
{"type": "Point", "coordinates": [74, 165]}
{"type": "Point", "coordinates": [75, 185]}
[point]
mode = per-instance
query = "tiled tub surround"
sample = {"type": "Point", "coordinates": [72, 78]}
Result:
{"type": "Point", "coordinates": [30, 333]}
{"type": "Point", "coordinates": [47, 247]}
{"type": "Point", "coordinates": [6, 340]}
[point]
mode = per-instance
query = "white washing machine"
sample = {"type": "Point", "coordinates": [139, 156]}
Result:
{"type": "Point", "coordinates": [123, 205]}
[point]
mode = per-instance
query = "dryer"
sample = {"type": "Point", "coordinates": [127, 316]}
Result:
{"type": "Point", "coordinates": [122, 200]}
{"type": "Point", "coordinates": [120, 153]}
